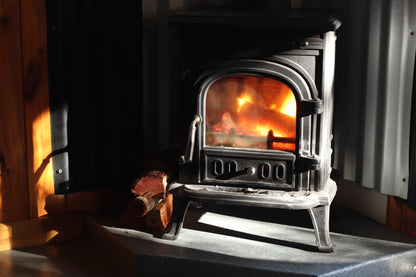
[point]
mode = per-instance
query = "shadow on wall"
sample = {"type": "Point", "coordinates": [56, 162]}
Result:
{"type": "Point", "coordinates": [96, 94]}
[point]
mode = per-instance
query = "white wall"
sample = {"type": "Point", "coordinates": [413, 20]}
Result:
{"type": "Point", "coordinates": [367, 202]}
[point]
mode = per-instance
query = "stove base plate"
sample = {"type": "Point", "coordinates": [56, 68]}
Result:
{"type": "Point", "coordinates": [316, 202]}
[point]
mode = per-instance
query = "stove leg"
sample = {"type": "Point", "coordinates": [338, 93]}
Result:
{"type": "Point", "coordinates": [180, 206]}
{"type": "Point", "coordinates": [320, 221]}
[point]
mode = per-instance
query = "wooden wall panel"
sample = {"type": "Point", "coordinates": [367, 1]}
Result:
{"type": "Point", "coordinates": [401, 217]}
{"type": "Point", "coordinates": [13, 174]}
{"type": "Point", "coordinates": [36, 100]}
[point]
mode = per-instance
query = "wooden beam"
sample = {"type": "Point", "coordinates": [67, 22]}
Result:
{"type": "Point", "coordinates": [110, 199]}
{"type": "Point", "coordinates": [38, 231]}
{"type": "Point", "coordinates": [13, 173]}
{"type": "Point", "coordinates": [36, 100]}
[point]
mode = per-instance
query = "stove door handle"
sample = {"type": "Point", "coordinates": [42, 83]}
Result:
{"type": "Point", "coordinates": [189, 153]}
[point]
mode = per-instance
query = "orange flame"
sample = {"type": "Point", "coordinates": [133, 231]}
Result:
{"type": "Point", "coordinates": [242, 100]}
{"type": "Point", "coordinates": [289, 105]}
{"type": "Point", "coordinates": [263, 130]}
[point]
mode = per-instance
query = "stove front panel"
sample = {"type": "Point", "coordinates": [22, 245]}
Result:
{"type": "Point", "coordinates": [255, 169]}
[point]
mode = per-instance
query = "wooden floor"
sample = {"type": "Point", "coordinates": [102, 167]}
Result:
{"type": "Point", "coordinates": [81, 257]}
{"type": "Point", "coordinates": [94, 253]}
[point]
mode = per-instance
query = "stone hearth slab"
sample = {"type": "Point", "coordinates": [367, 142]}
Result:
{"type": "Point", "coordinates": [234, 243]}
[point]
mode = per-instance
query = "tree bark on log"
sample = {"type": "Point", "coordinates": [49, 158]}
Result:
{"type": "Point", "coordinates": [157, 219]}
{"type": "Point", "coordinates": [142, 205]}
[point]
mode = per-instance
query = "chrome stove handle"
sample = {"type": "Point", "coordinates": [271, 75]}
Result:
{"type": "Point", "coordinates": [189, 152]}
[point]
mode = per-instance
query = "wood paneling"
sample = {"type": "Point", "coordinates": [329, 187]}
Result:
{"type": "Point", "coordinates": [110, 199]}
{"type": "Point", "coordinates": [13, 174]}
{"type": "Point", "coordinates": [25, 145]}
{"type": "Point", "coordinates": [36, 100]}
{"type": "Point", "coordinates": [401, 217]}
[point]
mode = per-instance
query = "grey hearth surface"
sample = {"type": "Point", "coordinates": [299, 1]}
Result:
{"type": "Point", "coordinates": [246, 241]}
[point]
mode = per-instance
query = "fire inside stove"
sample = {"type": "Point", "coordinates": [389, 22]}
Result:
{"type": "Point", "coordinates": [249, 111]}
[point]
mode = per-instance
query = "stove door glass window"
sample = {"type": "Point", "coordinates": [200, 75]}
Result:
{"type": "Point", "coordinates": [250, 111]}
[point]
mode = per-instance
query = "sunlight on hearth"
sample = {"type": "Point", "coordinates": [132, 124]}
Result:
{"type": "Point", "coordinates": [254, 227]}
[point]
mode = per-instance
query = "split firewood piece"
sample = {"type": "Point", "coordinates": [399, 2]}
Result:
{"type": "Point", "coordinates": [159, 217]}
{"type": "Point", "coordinates": [151, 186]}
{"type": "Point", "coordinates": [142, 205]}
{"type": "Point", "coordinates": [129, 219]}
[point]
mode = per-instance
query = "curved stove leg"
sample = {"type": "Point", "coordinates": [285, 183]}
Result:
{"type": "Point", "coordinates": [180, 206]}
{"type": "Point", "coordinates": [320, 221]}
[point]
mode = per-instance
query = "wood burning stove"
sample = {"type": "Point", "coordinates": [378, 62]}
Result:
{"type": "Point", "coordinates": [261, 135]}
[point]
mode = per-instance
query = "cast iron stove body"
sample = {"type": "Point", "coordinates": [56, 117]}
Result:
{"type": "Point", "coordinates": [261, 133]}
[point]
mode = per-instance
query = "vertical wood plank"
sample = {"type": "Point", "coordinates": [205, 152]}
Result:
{"type": "Point", "coordinates": [13, 174]}
{"type": "Point", "coordinates": [401, 217]}
{"type": "Point", "coordinates": [409, 221]}
{"type": "Point", "coordinates": [394, 214]}
{"type": "Point", "coordinates": [36, 97]}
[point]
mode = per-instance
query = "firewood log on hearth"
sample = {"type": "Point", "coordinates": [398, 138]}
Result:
{"type": "Point", "coordinates": [160, 216]}
{"type": "Point", "coordinates": [142, 205]}
{"type": "Point", "coordinates": [253, 116]}
{"type": "Point", "coordinates": [156, 220]}
{"type": "Point", "coordinates": [151, 185]}
{"type": "Point", "coordinates": [151, 206]}
{"type": "Point", "coordinates": [150, 190]}
{"type": "Point", "coordinates": [151, 203]}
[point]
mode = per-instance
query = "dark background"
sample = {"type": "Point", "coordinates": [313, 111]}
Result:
{"type": "Point", "coordinates": [94, 54]}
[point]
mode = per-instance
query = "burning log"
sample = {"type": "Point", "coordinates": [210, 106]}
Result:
{"type": "Point", "coordinates": [226, 125]}
{"type": "Point", "coordinates": [251, 128]}
{"type": "Point", "coordinates": [255, 116]}
{"type": "Point", "coordinates": [233, 140]}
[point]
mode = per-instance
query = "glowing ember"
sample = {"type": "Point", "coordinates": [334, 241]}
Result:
{"type": "Point", "coordinates": [225, 125]}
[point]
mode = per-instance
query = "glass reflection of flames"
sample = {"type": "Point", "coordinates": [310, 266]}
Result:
{"type": "Point", "coordinates": [242, 110]}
